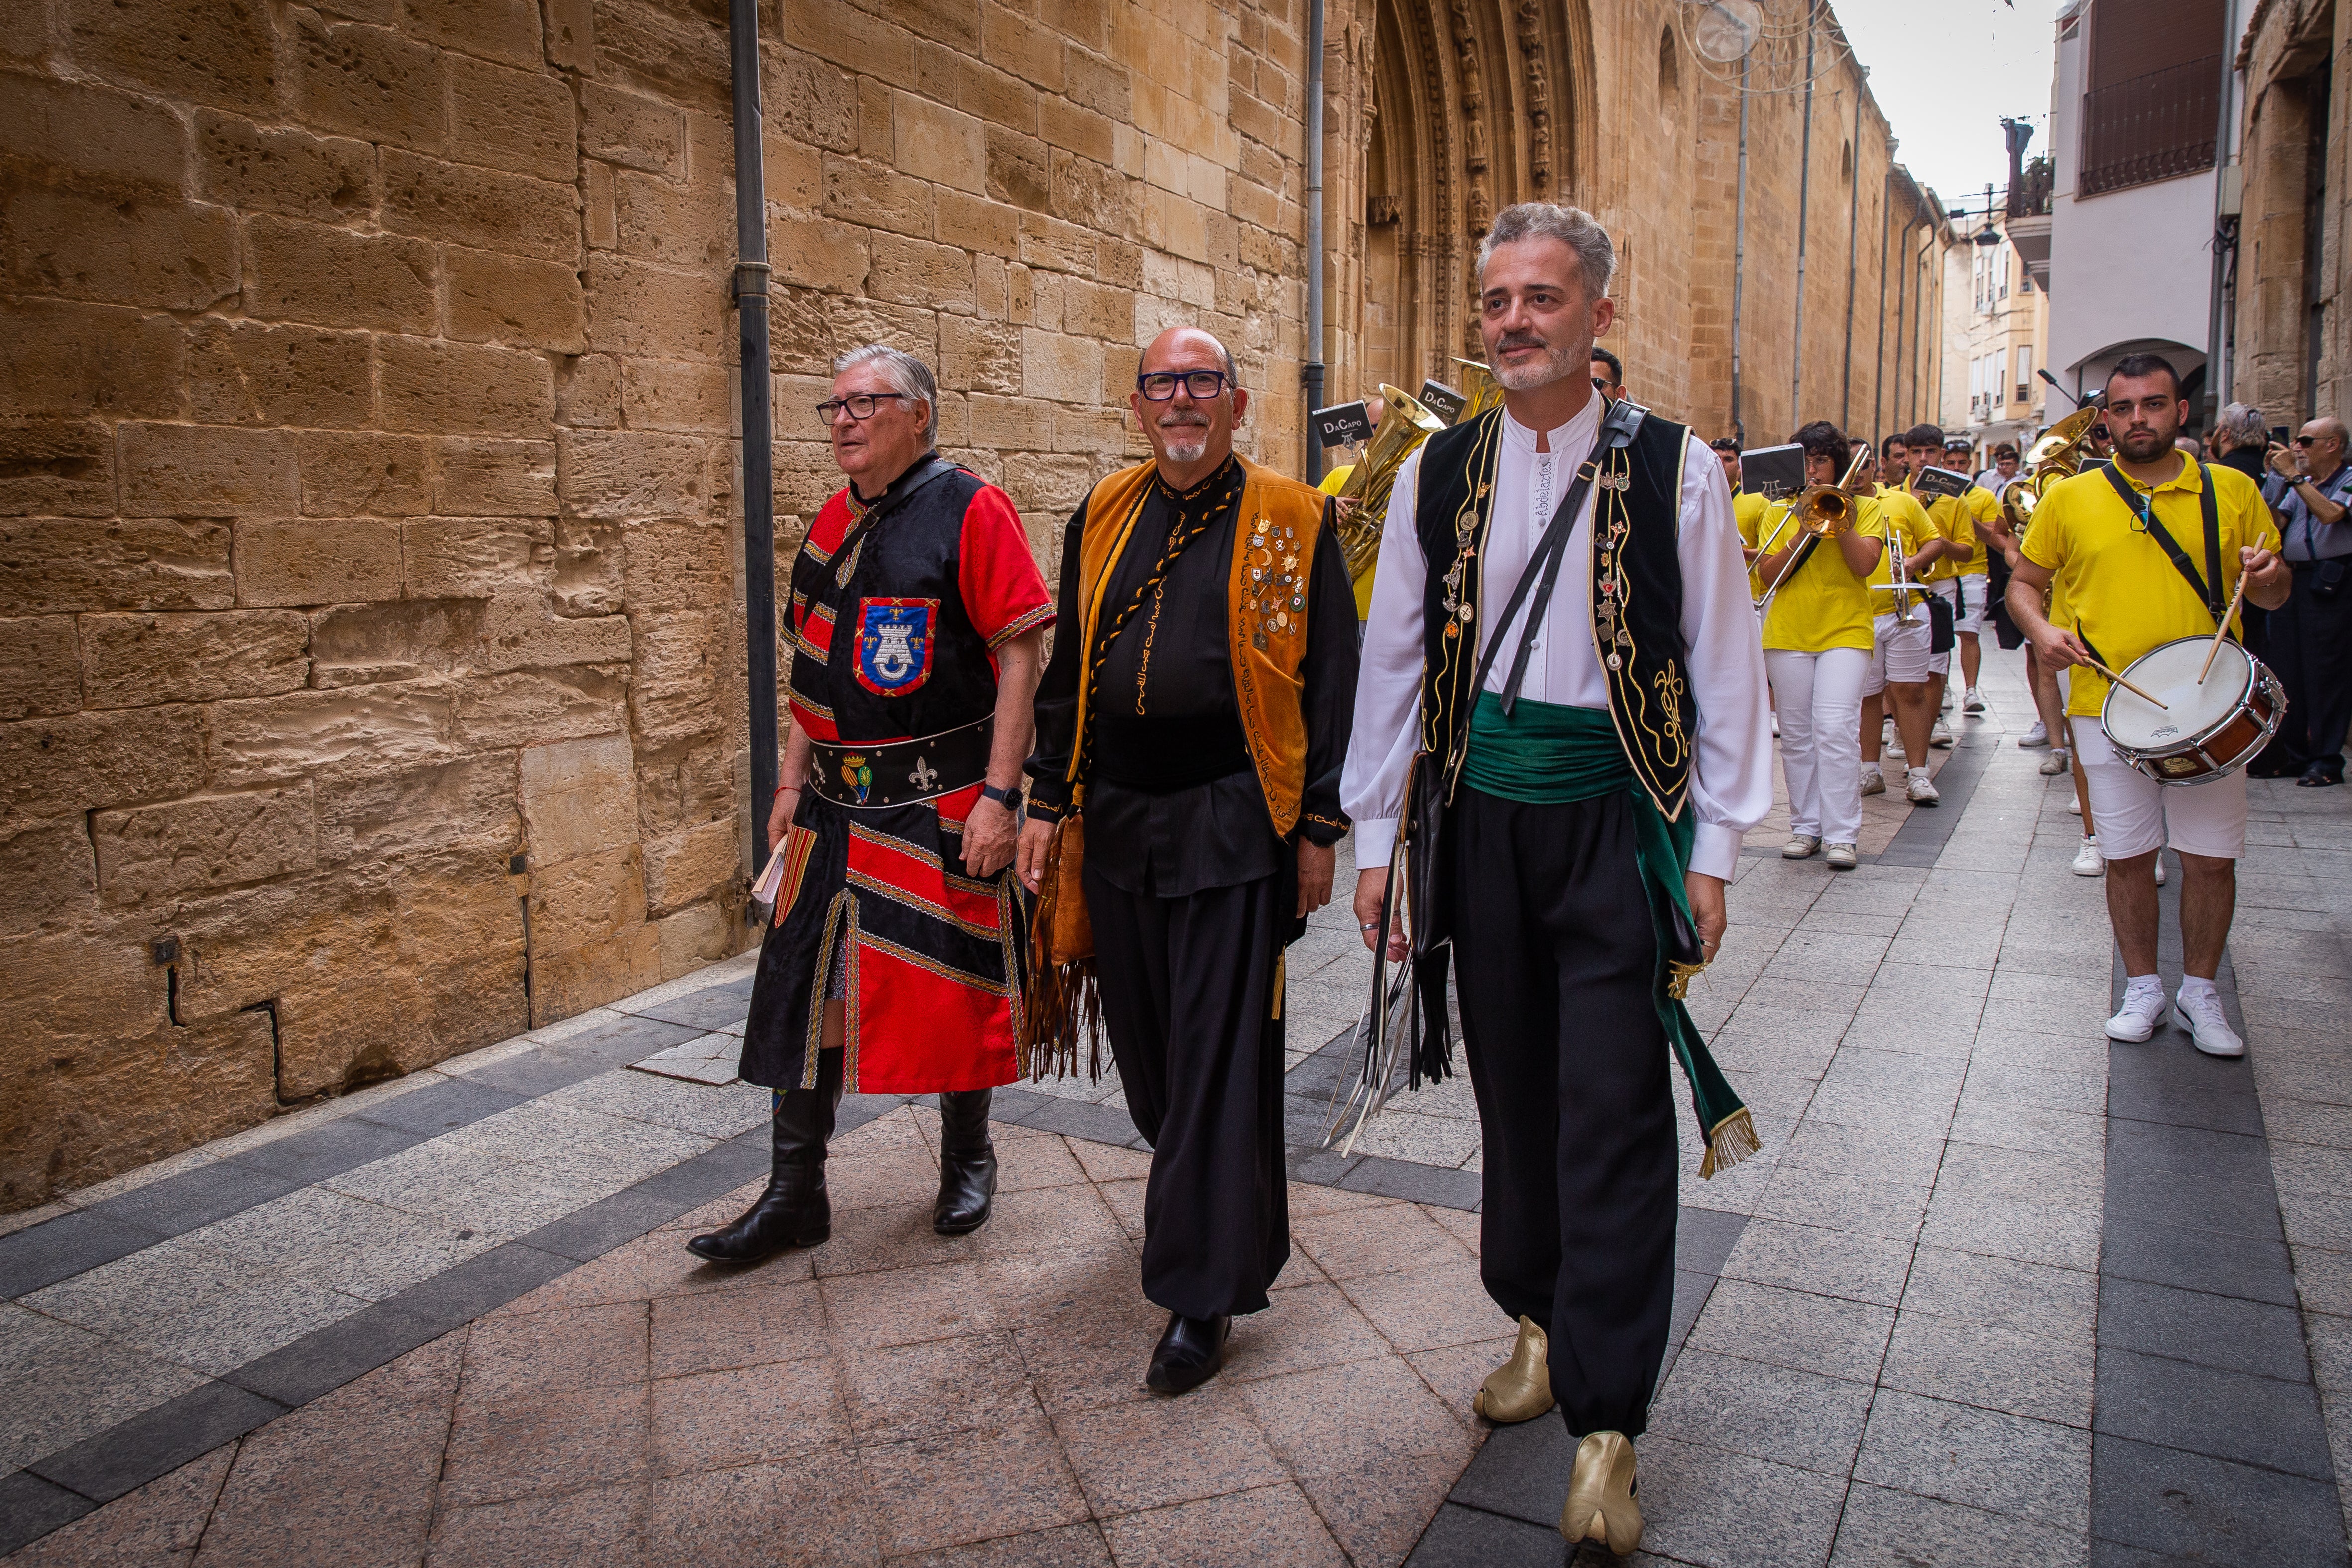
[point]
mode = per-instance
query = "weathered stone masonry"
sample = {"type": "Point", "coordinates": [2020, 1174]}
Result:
{"type": "Point", "coordinates": [370, 641]}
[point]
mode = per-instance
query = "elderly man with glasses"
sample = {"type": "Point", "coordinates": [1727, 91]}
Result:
{"type": "Point", "coordinates": [1192, 724]}
{"type": "Point", "coordinates": [2310, 637]}
{"type": "Point", "coordinates": [894, 962]}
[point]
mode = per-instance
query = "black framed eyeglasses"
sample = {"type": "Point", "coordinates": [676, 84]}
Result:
{"type": "Point", "coordinates": [861, 405]}
{"type": "Point", "coordinates": [1160, 385]}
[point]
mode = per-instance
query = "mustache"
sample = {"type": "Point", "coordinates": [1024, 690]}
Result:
{"type": "Point", "coordinates": [1519, 339]}
{"type": "Point", "coordinates": [1173, 421]}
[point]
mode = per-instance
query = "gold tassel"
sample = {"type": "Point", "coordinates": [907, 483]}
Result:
{"type": "Point", "coordinates": [1732, 1141]}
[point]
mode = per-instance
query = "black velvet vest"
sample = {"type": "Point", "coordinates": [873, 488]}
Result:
{"type": "Point", "coordinates": [891, 654]}
{"type": "Point", "coordinates": [1637, 594]}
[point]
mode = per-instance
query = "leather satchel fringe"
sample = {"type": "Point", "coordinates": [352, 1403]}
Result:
{"type": "Point", "coordinates": [1062, 999]}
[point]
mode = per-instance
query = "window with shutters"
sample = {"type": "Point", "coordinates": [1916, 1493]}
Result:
{"type": "Point", "coordinates": [2152, 91]}
{"type": "Point", "coordinates": [2024, 372]}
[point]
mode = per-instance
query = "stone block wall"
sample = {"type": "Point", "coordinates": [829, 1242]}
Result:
{"type": "Point", "coordinates": [370, 641]}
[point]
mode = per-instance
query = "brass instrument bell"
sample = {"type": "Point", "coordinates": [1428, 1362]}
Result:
{"type": "Point", "coordinates": [1405, 424]}
{"type": "Point", "coordinates": [1480, 390]}
{"type": "Point", "coordinates": [2056, 454]}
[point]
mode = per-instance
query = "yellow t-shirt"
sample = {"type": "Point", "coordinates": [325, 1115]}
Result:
{"type": "Point", "coordinates": [1332, 484]}
{"type": "Point", "coordinates": [1822, 605]}
{"type": "Point", "coordinates": [1955, 519]}
{"type": "Point", "coordinates": [2124, 595]}
{"type": "Point", "coordinates": [1746, 511]}
{"type": "Point", "coordinates": [1908, 526]}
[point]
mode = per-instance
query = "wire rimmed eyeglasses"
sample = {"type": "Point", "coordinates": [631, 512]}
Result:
{"type": "Point", "coordinates": [861, 405]}
{"type": "Point", "coordinates": [1160, 385]}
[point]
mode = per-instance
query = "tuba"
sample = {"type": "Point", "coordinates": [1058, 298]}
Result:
{"type": "Point", "coordinates": [1364, 499]}
{"type": "Point", "coordinates": [2058, 455]}
{"type": "Point", "coordinates": [1480, 390]}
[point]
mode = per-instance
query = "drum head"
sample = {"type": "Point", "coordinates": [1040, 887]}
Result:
{"type": "Point", "coordinates": [2191, 708]}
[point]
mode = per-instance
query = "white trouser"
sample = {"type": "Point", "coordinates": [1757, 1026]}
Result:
{"type": "Point", "coordinates": [1974, 590]}
{"type": "Point", "coordinates": [1820, 697]}
{"type": "Point", "coordinates": [1898, 653]}
{"type": "Point", "coordinates": [2134, 815]}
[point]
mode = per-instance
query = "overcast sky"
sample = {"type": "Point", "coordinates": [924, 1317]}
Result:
{"type": "Point", "coordinates": [1945, 71]}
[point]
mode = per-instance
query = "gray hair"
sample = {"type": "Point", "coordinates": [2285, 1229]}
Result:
{"type": "Point", "coordinates": [906, 376]}
{"type": "Point", "coordinates": [2242, 424]}
{"type": "Point", "coordinates": [1572, 226]}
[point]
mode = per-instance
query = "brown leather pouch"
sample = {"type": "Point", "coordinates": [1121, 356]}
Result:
{"type": "Point", "coordinates": [1061, 1000]}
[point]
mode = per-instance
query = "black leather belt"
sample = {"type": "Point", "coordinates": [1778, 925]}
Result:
{"type": "Point", "coordinates": [901, 772]}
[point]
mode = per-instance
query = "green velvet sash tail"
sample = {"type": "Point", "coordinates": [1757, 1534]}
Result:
{"type": "Point", "coordinates": [1545, 753]}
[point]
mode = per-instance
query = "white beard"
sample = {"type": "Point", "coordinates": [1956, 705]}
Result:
{"type": "Point", "coordinates": [1556, 366]}
{"type": "Point", "coordinates": [1180, 449]}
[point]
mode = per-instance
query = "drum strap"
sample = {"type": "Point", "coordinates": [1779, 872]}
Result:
{"type": "Point", "coordinates": [2144, 508]}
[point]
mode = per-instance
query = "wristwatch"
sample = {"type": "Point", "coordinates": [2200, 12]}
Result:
{"type": "Point", "coordinates": [1010, 799]}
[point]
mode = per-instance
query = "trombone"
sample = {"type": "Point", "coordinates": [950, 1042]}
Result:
{"type": "Point", "coordinates": [1820, 512]}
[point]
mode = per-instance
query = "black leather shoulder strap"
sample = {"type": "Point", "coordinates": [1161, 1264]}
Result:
{"type": "Point", "coordinates": [1619, 425]}
{"type": "Point", "coordinates": [2144, 508]}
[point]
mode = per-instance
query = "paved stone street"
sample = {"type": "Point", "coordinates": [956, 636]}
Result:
{"type": "Point", "coordinates": [1996, 1292]}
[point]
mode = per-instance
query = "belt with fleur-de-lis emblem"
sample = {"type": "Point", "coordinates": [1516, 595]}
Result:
{"type": "Point", "coordinates": [901, 772]}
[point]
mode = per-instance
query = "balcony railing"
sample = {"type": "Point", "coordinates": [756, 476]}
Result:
{"type": "Point", "coordinates": [2154, 127]}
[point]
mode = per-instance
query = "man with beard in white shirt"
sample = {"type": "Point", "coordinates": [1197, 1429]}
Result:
{"type": "Point", "coordinates": [1562, 683]}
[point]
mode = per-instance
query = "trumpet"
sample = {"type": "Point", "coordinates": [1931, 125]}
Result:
{"type": "Point", "coordinates": [1820, 512]}
{"type": "Point", "coordinates": [1405, 424]}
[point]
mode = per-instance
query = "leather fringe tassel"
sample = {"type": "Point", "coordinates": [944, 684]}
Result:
{"type": "Point", "coordinates": [1064, 1000]}
{"type": "Point", "coordinates": [1732, 1141]}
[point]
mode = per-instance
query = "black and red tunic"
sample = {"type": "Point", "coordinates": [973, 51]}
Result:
{"type": "Point", "coordinates": [893, 639]}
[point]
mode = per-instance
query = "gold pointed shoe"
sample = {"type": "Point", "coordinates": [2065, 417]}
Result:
{"type": "Point", "coordinates": [1520, 1389]}
{"type": "Point", "coordinates": [1601, 1503]}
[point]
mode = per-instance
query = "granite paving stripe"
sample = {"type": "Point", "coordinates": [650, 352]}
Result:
{"type": "Point", "coordinates": [30, 1507]}
{"type": "Point", "coordinates": [62, 1247]}
{"type": "Point", "coordinates": [195, 1198]}
{"type": "Point", "coordinates": [329, 1149]}
{"type": "Point", "coordinates": [135, 1452]}
{"type": "Point", "coordinates": [438, 1108]}
{"type": "Point", "coordinates": [1464, 1537]}
{"type": "Point", "coordinates": [1432, 1185]}
{"type": "Point", "coordinates": [2208, 1444]}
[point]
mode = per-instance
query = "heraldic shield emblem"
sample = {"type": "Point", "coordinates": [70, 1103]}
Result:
{"type": "Point", "coordinates": [894, 644]}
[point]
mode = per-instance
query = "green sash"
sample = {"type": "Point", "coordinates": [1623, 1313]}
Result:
{"type": "Point", "coordinates": [1544, 754]}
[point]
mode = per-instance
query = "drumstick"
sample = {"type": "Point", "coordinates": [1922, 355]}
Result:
{"type": "Point", "coordinates": [2127, 686]}
{"type": "Point", "coordinates": [2223, 630]}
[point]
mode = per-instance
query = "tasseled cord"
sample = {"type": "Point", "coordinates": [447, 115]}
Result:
{"type": "Point", "coordinates": [1063, 999]}
{"type": "Point", "coordinates": [1732, 1140]}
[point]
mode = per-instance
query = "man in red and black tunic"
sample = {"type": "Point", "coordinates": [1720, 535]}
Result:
{"type": "Point", "coordinates": [895, 960]}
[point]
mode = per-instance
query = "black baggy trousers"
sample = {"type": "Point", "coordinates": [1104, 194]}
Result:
{"type": "Point", "coordinates": [1186, 993]}
{"type": "Point", "coordinates": [1554, 960]}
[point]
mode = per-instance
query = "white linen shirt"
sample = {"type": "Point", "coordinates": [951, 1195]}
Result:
{"type": "Point", "coordinates": [1731, 778]}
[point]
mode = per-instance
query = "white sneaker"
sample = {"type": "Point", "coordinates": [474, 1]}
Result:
{"type": "Point", "coordinates": [1940, 737]}
{"type": "Point", "coordinates": [1873, 781]}
{"type": "Point", "coordinates": [1920, 787]}
{"type": "Point", "coordinates": [2056, 763]}
{"type": "Point", "coordinates": [1946, 706]}
{"type": "Point", "coordinates": [2033, 740]}
{"type": "Point", "coordinates": [2159, 870]}
{"type": "Point", "coordinates": [1841, 857]}
{"type": "Point", "coordinates": [1800, 847]}
{"type": "Point", "coordinates": [2075, 804]}
{"type": "Point", "coordinates": [1776, 723]}
{"type": "Point", "coordinates": [2088, 861]}
{"type": "Point", "coordinates": [2200, 1014]}
{"type": "Point", "coordinates": [2136, 1020]}
{"type": "Point", "coordinates": [1973, 702]}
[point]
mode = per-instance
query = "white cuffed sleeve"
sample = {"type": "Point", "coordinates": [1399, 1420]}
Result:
{"type": "Point", "coordinates": [1388, 682]}
{"type": "Point", "coordinates": [1731, 777]}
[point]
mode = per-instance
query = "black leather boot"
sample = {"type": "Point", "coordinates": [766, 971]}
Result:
{"type": "Point", "coordinates": [795, 1211]}
{"type": "Point", "coordinates": [966, 1163]}
{"type": "Point", "coordinates": [1190, 1352]}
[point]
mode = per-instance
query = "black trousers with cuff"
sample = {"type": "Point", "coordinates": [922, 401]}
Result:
{"type": "Point", "coordinates": [1187, 987]}
{"type": "Point", "coordinates": [1554, 961]}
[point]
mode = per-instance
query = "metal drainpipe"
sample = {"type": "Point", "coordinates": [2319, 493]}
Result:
{"type": "Point", "coordinates": [1804, 211]}
{"type": "Point", "coordinates": [1878, 363]}
{"type": "Point", "coordinates": [1739, 253]}
{"type": "Point", "coordinates": [2224, 124]}
{"type": "Point", "coordinates": [1852, 241]}
{"type": "Point", "coordinates": [1312, 370]}
{"type": "Point", "coordinates": [759, 473]}
{"type": "Point", "coordinates": [1902, 286]}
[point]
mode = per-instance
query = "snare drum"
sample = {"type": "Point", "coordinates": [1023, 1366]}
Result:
{"type": "Point", "coordinates": [2203, 731]}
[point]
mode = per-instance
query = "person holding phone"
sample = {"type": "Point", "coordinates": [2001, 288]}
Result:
{"type": "Point", "coordinates": [2310, 638]}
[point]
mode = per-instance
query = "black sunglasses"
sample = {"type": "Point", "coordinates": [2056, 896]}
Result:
{"type": "Point", "coordinates": [2306, 440]}
{"type": "Point", "coordinates": [1160, 385]}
